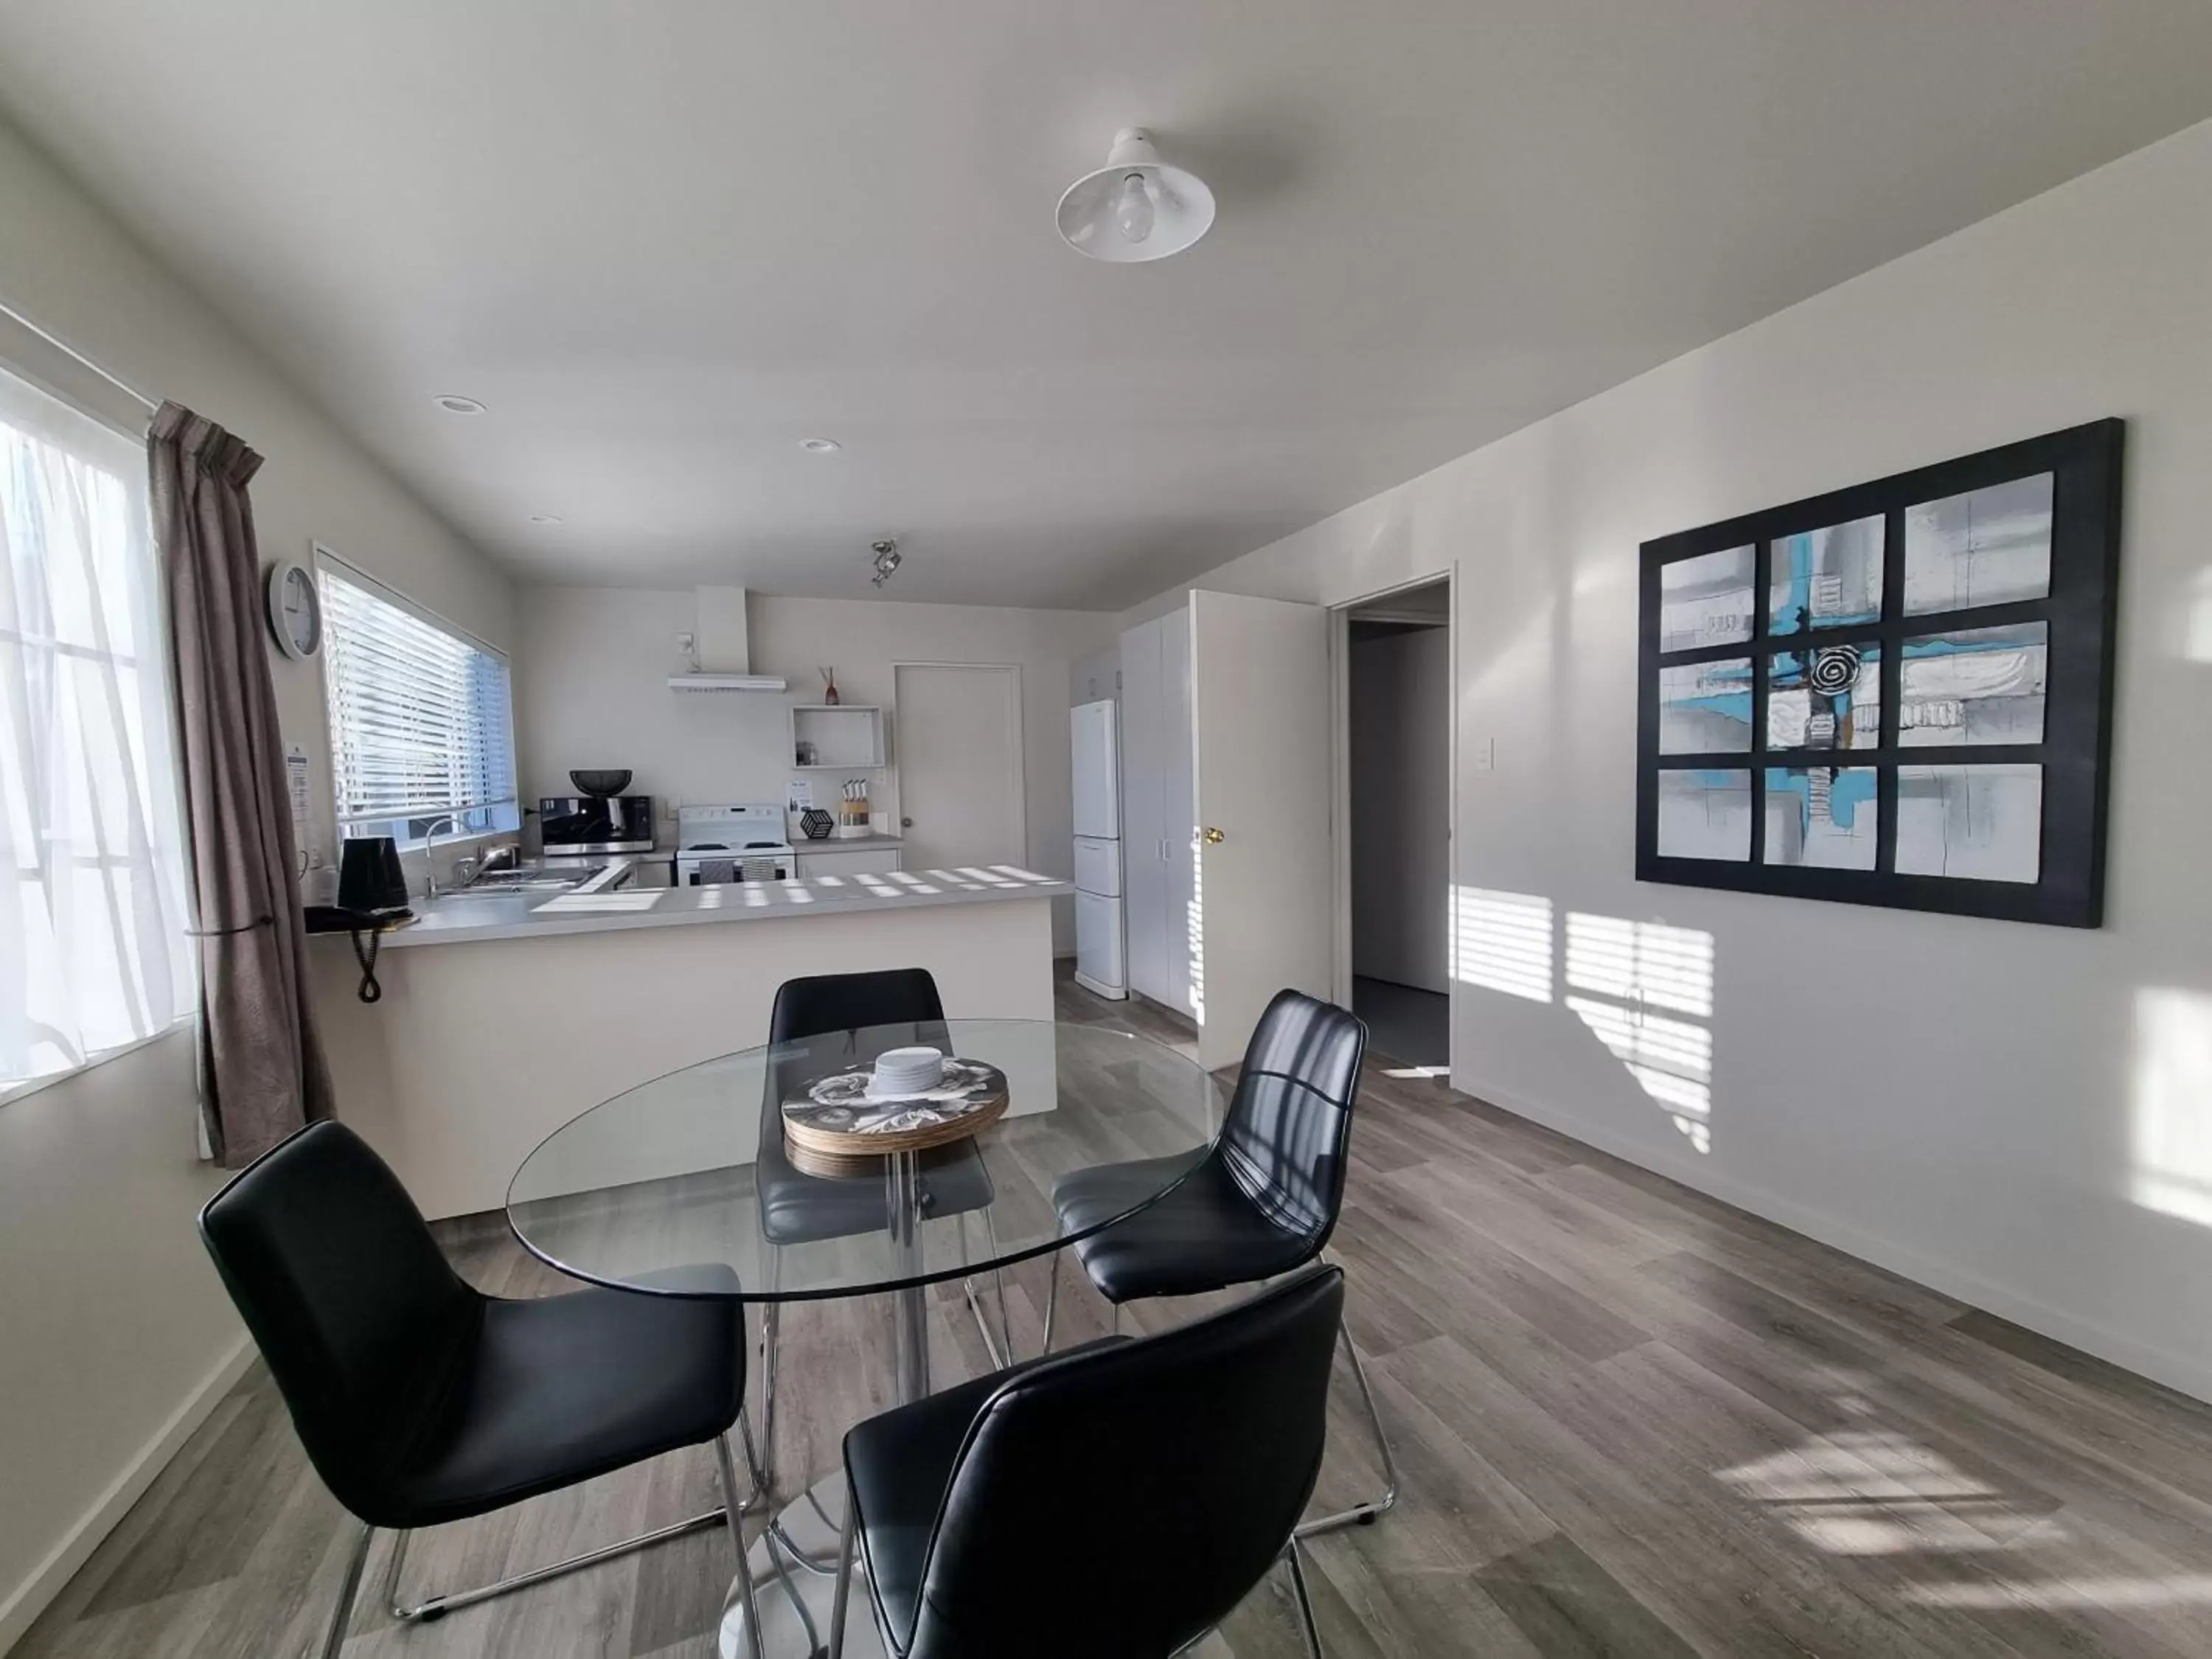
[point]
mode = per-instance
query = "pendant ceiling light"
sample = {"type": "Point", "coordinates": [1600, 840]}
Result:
{"type": "Point", "coordinates": [1136, 207]}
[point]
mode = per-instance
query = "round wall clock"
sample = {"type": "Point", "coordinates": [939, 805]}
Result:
{"type": "Point", "coordinates": [295, 609]}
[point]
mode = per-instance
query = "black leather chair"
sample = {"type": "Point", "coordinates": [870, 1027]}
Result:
{"type": "Point", "coordinates": [1116, 1502]}
{"type": "Point", "coordinates": [1260, 1201]}
{"type": "Point", "coordinates": [421, 1401]}
{"type": "Point", "coordinates": [843, 1021]}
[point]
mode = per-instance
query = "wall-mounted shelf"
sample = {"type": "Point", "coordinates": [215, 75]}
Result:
{"type": "Point", "coordinates": [840, 738]}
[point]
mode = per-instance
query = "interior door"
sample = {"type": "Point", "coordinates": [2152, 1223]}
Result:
{"type": "Point", "coordinates": [1259, 733]}
{"type": "Point", "coordinates": [959, 734]}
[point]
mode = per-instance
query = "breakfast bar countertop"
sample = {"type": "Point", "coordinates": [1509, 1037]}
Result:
{"type": "Point", "coordinates": [601, 906]}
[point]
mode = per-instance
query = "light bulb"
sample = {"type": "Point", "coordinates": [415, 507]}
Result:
{"type": "Point", "coordinates": [1133, 208]}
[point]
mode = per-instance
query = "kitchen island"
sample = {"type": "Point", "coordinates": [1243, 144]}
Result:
{"type": "Point", "coordinates": [503, 1016]}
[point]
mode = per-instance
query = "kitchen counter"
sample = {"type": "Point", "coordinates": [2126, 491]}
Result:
{"type": "Point", "coordinates": [551, 1002]}
{"type": "Point", "coordinates": [846, 844]}
{"type": "Point", "coordinates": [602, 905]}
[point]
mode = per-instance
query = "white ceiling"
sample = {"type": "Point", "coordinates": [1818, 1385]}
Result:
{"type": "Point", "coordinates": [666, 240]}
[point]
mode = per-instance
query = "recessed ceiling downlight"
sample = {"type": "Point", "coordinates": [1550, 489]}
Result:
{"type": "Point", "coordinates": [454, 403]}
{"type": "Point", "coordinates": [820, 446]}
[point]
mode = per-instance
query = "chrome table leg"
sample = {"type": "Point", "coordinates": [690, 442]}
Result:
{"type": "Point", "coordinates": [771, 1327]}
{"type": "Point", "coordinates": [1052, 1300]}
{"type": "Point", "coordinates": [342, 1615]}
{"type": "Point", "coordinates": [798, 1593]}
{"type": "Point", "coordinates": [1305, 1602]}
{"type": "Point", "coordinates": [903, 1177]}
{"type": "Point", "coordinates": [999, 1357]}
{"type": "Point", "coordinates": [844, 1591]}
{"type": "Point", "coordinates": [998, 1290]}
{"type": "Point", "coordinates": [738, 1546]}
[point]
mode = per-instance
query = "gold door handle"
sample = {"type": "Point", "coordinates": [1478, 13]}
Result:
{"type": "Point", "coordinates": [1211, 836]}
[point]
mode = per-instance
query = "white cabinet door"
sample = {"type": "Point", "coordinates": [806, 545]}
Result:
{"type": "Point", "coordinates": [1260, 708]}
{"type": "Point", "coordinates": [1178, 813]}
{"type": "Point", "coordinates": [869, 861]}
{"type": "Point", "coordinates": [1144, 778]}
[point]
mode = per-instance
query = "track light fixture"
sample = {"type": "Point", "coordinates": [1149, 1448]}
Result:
{"type": "Point", "coordinates": [887, 559]}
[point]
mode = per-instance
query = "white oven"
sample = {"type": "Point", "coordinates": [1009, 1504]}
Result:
{"type": "Point", "coordinates": [721, 844]}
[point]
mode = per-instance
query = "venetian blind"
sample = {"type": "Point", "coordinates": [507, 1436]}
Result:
{"type": "Point", "coordinates": [420, 717]}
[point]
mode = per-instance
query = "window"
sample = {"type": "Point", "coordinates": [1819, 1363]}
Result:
{"type": "Point", "coordinates": [94, 952]}
{"type": "Point", "coordinates": [421, 722]}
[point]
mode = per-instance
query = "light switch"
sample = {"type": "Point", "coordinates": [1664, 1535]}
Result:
{"type": "Point", "coordinates": [1486, 755]}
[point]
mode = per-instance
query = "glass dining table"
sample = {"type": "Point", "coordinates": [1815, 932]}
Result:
{"type": "Point", "coordinates": [691, 1186]}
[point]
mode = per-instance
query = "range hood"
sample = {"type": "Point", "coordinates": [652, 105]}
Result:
{"type": "Point", "coordinates": [704, 682]}
{"type": "Point", "coordinates": [720, 647]}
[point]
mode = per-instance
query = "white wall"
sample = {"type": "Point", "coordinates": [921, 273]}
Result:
{"type": "Point", "coordinates": [2024, 1120]}
{"type": "Point", "coordinates": [114, 1320]}
{"type": "Point", "coordinates": [591, 690]}
{"type": "Point", "coordinates": [1400, 767]}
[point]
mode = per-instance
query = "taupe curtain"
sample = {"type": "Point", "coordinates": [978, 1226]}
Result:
{"type": "Point", "coordinates": [262, 1070]}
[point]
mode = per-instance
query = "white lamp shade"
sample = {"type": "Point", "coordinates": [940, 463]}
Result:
{"type": "Point", "coordinates": [1182, 207]}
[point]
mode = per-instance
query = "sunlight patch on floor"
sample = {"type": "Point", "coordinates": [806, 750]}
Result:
{"type": "Point", "coordinates": [1874, 1491]}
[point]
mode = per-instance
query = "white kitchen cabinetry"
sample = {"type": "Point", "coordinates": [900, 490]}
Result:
{"type": "Point", "coordinates": [1157, 796]}
{"type": "Point", "coordinates": [851, 861]}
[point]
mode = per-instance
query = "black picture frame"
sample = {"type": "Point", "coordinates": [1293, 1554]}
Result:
{"type": "Point", "coordinates": [2081, 612]}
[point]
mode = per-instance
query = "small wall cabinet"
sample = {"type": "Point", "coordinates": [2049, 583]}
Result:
{"type": "Point", "coordinates": [1098, 676]}
{"type": "Point", "coordinates": [836, 737]}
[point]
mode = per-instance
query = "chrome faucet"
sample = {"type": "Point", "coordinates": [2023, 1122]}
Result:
{"type": "Point", "coordinates": [430, 846]}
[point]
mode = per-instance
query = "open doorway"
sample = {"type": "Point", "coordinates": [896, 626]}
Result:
{"type": "Point", "coordinates": [1398, 772]}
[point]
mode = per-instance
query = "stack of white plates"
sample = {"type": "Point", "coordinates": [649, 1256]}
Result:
{"type": "Point", "coordinates": [907, 1071]}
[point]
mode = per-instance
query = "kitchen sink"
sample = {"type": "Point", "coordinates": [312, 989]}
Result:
{"type": "Point", "coordinates": [495, 886]}
{"type": "Point", "coordinates": [500, 883]}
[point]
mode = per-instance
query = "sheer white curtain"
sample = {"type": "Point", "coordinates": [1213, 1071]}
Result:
{"type": "Point", "coordinates": [92, 949]}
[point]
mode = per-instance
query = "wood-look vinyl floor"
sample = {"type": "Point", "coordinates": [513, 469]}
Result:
{"type": "Point", "coordinates": [1633, 1422]}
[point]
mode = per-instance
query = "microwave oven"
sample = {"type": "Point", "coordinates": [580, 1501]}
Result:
{"type": "Point", "coordinates": [595, 824]}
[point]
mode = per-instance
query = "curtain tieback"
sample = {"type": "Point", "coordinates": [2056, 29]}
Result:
{"type": "Point", "coordinates": [224, 933]}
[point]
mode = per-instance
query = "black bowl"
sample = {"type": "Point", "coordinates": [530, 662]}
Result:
{"type": "Point", "coordinates": [602, 784]}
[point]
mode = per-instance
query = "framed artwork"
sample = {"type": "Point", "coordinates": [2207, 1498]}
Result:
{"type": "Point", "coordinates": [1896, 693]}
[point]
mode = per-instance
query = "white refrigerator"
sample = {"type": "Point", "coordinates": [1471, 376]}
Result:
{"type": "Point", "coordinates": [1101, 958]}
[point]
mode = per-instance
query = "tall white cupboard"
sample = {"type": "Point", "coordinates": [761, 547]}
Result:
{"type": "Point", "coordinates": [1157, 801]}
